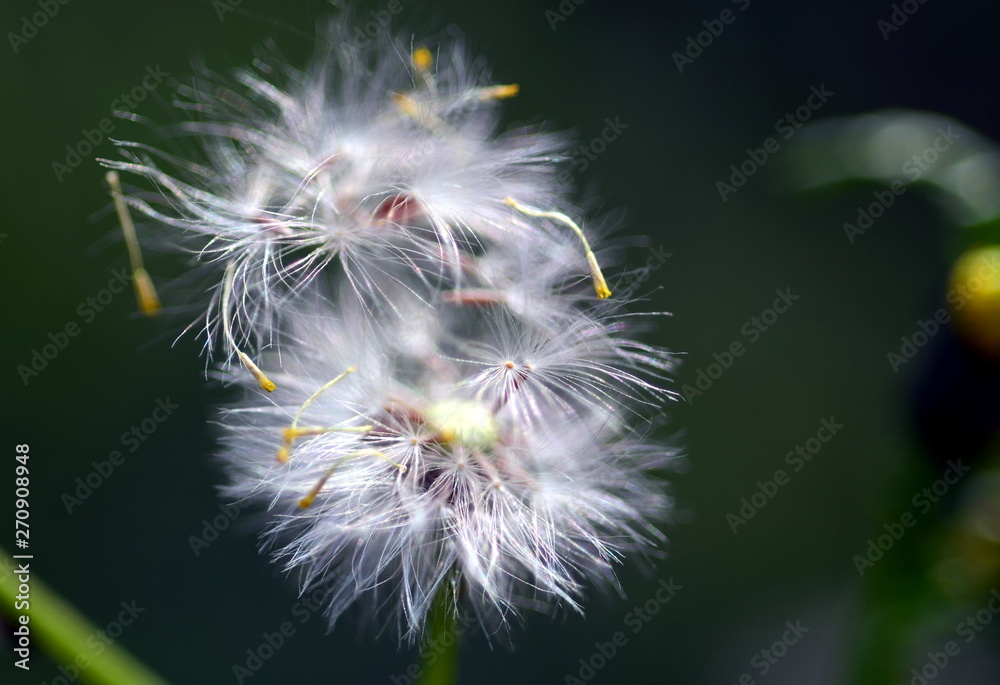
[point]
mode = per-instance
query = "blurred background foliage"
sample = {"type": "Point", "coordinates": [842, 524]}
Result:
{"type": "Point", "coordinates": [827, 356]}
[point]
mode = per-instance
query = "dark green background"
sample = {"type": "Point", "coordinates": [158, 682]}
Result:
{"type": "Point", "coordinates": [825, 357]}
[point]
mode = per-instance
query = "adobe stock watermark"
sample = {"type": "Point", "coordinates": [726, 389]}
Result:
{"type": "Point", "coordinates": [900, 14]}
{"type": "Point", "coordinates": [634, 279]}
{"type": "Point", "coordinates": [634, 621]}
{"type": "Point", "coordinates": [914, 168]}
{"type": "Point", "coordinates": [33, 23]}
{"type": "Point", "coordinates": [589, 151]}
{"type": "Point", "coordinates": [210, 530]}
{"type": "Point", "coordinates": [786, 126]}
{"type": "Point", "coordinates": [270, 643]}
{"type": "Point", "coordinates": [923, 501]}
{"type": "Point", "coordinates": [796, 458]}
{"type": "Point", "coordinates": [131, 440]}
{"type": "Point", "coordinates": [563, 12]}
{"type": "Point", "coordinates": [763, 661]}
{"type": "Point", "coordinates": [957, 297]}
{"type": "Point", "coordinates": [308, 604]}
{"type": "Point", "coordinates": [971, 626]}
{"type": "Point", "coordinates": [97, 643]}
{"type": "Point", "coordinates": [752, 330]}
{"type": "Point", "coordinates": [92, 137]}
{"type": "Point", "coordinates": [41, 356]}
{"type": "Point", "coordinates": [696, 45]}
{"type": "Point", "coordinates": [379, 21]}
{"type": "Point", "coordinates": [968, 629]}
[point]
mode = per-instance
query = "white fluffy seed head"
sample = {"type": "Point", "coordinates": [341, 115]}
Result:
{"type": "Point", "coordinates": [365, 159]}
{"type": "Point", "coordinates": [512, 491]}
{"type": "Point", "coordinates": [456, 414]}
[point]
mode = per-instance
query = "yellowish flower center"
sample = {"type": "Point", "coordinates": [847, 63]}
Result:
{"type": "Point", "coordinates": [465, 423]}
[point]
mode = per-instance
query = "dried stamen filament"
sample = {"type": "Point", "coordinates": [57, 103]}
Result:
{"type": "Point", "coordinates": [145, 291]}
{"type": "Point", "coordinates": [600, 285]}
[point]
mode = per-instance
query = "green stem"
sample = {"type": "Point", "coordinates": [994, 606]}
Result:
{"type": "Point", "coordinates": [59, 630]}
{"type": "Point", "coordinates": [440, 654]}
{"type": "Point", "coordinates": [901, 601]}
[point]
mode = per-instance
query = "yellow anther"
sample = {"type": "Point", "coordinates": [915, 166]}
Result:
{"type": "Point", "coordinates": [311, 497]}
{"type": "Point", "coordinates": [293, 432]}
{"type": "Point", "coordinates": [421, 114]}
{"type": "Point", "coordinates": [406, 104]}
{"type": "Point", "coordinates": [600, 285]}
{"type": "Point", "coordinates": [422, 59]}
{"type": "Point", "coordinates": [255, 371]}
{"type": "Point", "coordinates": [227, 290]}
{"type": "Point", "coordinates": [498, 92]}
{"type": "Point", "coordinates": [145, 292]}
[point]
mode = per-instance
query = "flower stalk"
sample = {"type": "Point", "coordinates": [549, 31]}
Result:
{"type": "Point", "coordinates": [440, 655]}
{"type": "Point", "coordinates": [65, 635]}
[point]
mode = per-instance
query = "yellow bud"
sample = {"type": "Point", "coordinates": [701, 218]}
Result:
{"type": "Point", "coordinates": [974, 296]}
{"type": "Point", "coordinates": [422, 58]}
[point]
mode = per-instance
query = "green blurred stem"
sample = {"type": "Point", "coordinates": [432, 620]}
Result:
{"type": "Point", "coordinates": [440, 656]}
{"type": "Point", "coordinates": [59, 630]}
{"type": "Point", "coordinates": [901, 601]}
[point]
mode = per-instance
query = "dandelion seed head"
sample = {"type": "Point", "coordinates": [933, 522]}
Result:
{"type": "Point", "coordinates": [453, 407]}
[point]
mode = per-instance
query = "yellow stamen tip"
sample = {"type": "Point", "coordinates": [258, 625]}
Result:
{"type": "Point", "coordinates": [600, 285]}
{"type": "Point", "coordinates": [259, 375]}
{"type": "Point", "coordinates": [284, 454]}
{"type": "Point", "coordinates": [499, 92]}
{"type": "Point", "coordinates": [306, 501]}
{"type": "Point", "coordinates": [145, 293]}
{"type": "Point", "coordinates": [295, 432]}
{"type": "Point", "coordinates": [422, 58]}
{"type": "Point", "coordinates": [406, 104]}
{"type": "Point", "coordinates": [419, 113]}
